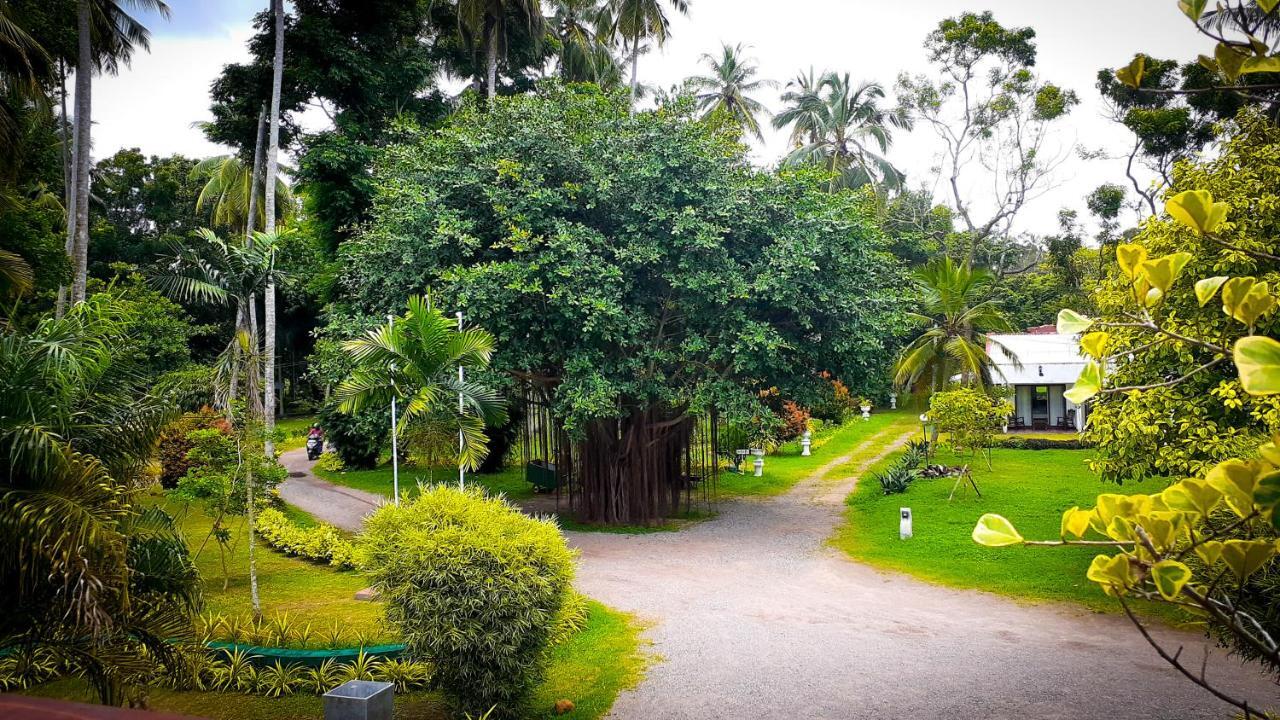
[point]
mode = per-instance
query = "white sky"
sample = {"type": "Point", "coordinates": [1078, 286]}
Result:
{"type": "Point", "coordinates": [153, 104]}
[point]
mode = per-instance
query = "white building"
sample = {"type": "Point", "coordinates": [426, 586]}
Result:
{"type": "Point", "coordinates": [1049, 364]}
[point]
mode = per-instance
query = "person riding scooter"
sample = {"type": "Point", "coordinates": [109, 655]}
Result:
{"type": "Point", "coordinates": [315, 442]}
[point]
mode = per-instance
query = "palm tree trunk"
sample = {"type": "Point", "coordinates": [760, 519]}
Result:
{"type": "Point", "coordinates": [84, 105]}
{"type": "Point", "coordinates": [255, 177]}
{"type": "Point", "coordinates": [635, 65]}
{"type": "Point", "coordinates": [254, 600]}
{"type": "Point", "coordinates": [68, 181]}
{"type": "Point", "coordinates": [269, 203]}
{"type": "Point", "coordinates": [491, 49]}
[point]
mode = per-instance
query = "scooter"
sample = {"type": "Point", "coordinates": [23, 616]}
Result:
{"type": "Point", "coordinates": [315, 446]}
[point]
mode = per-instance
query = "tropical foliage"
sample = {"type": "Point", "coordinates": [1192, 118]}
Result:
{"type": "Point", "coordinates": [726, 93]}
{"type": "Point", "coordinates": [969, 417]}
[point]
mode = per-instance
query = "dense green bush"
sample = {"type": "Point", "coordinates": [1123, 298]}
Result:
{"type": "Point", "coordinates": [321, 543]}
{"type": "Point", "coordinates": [1013, 442]}
{"type": "Point", "coordinates": [357, 438]}
{"type": "Point", "coordinates": [473, 585]}
{"type": "Point", "coordinates": [174, 443]}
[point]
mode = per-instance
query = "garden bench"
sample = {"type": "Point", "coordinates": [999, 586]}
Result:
{"type": "Point", "coordinates": [541, 475]}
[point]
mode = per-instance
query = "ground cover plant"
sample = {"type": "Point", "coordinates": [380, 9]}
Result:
{"type": "Point", "coordinates": [1036, 485]}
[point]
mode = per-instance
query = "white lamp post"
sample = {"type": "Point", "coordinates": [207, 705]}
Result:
{"type": "Point", "coordinates": [395, 451]}
{"type": "Point", "coordinates": [462, 469]}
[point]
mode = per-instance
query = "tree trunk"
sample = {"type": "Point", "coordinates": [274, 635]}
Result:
{"type": "Point", "coordinates": [269, 206]}
{"type": "Point", "coordinates": [255, 176]}
{"type": "Point", "coordinates": [253, 564]}
{"type": "Point", "coordinates": [635, 64]}
{"type": "Point", "coordinates": [84, 123]}
{"type": "Point", "coordinates": [68, 181]}
{"type": "Point", "coordinates": [491, 49]}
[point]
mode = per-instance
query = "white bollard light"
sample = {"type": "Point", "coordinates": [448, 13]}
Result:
{"type": "Point", "coordinates": [893, 401]}
{"type": "Point", "coordinates": [904, 525]}
{"type": "Point", "coordinates": [805, 442]}
{"type": "Point", "coordinates": [759, 466]}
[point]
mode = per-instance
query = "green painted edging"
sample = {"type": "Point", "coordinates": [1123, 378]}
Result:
{"type": "Point", "coordinates": [263, 656]}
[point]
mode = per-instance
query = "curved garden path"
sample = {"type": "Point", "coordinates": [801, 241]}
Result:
{"type": "Point", "coordinates": [752, 615]}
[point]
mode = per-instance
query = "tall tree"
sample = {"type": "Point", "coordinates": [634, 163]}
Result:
{"type": "Point", "coordinates": [849, 133]}
{"type": "Point", "coordinates": [957, 312]}
{"type": "Point", "coordinates": [583, 54]}
{"type": "Point", "coordinates": [994, 118]}
{"type": "Point", "coordinates": [726, 92]}
{"type": "Point", "coordinates": [225, 199]}
{"type": "Point", "coordinates": [634, 22]}
{"type": "Point", "coordinates": [803, 108]}
{"type": "Point", "coordinates": [484, 24]}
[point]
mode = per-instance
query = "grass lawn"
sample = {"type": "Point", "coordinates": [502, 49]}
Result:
{"type": "Point", "coordinates": [510, 481]}
{"type": "Point", "coordinates": [1030, 487]}
{"type": "Point", "coordinates": [295, 431]}
{"type": "Point", "coordinates": [590, 669]}
{"type": "Point", "coordinates": [307, 591]}
{"type": "Point", "coordinates": [785, 468]}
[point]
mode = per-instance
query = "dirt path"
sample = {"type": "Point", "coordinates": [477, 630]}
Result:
{"type": "Point", "coordinates": [755, 617]}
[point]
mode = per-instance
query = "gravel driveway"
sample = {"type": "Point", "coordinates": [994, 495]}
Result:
{"type": "Point", "coordinates": [753, 616]}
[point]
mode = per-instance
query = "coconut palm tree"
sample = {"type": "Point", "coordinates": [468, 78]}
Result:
{"type": "Point", "coordinates": [634, 22]}
{"type": "Point", "coordinates": [230, 272]}
{"type": "Point", "coordinates": [583, 54]}
{"type": "Point", "coordinates": [416, 360]}
{"type": "Point", "coordinates": [269, 205]}
{"type": "Point", "coordinates": [804, 108]}
{"type": "Point", "coordinates": [958, 313]}
{"type": "Point", "coordinates": [484, 23]}
{"type": "Point", "coordinates": [96, 586]}
{"type": "Point", "coordinates": [727, 90]}
{"type": "Point", "coordinates": [226, 199]}
{"type": "Point", "coordinates": [24, 65]}
{"type": "Point", "coordinates": [848, 134]}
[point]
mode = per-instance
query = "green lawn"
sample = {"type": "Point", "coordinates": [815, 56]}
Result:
{"type": "Point", "coordinates": [510, 481]}
{"type": "Point", "coordinates": [295, 431]}
{"type": "Point", "coordinates": [308, 592]}
{"type": "Point", "coordinates": [785, 468]}
{"type": "Point", "coordinates": [1030, 487]}
{"type": "Point", "coordinates": [590, 669]}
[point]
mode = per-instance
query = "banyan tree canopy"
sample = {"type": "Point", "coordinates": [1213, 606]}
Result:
{"type": "Point", "coordinates": [636, 268]}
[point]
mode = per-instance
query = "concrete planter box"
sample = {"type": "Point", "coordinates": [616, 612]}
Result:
{"type": "Point", "coordinates": [360, 700]}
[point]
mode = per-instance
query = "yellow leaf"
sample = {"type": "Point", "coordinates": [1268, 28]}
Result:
{"type": "Point", "coordinates": [1087, 385]}
{"type": "Point", "coordinates": [1192, 496]}
{"type": "Point", "coordinates": [1210, 552]}
{"type": "Point", "coordinates": [1267, 6]}
{"type": "Point", "coordinates": [1112, 573]}
{"type": "Point", "coordinates": [1132, 73]}
{"type": "Point", "coordinates": [1258, 360]}
{"type": "Point", "coordinates": [1192, 8]}
{"type": "Point", "coordinates": [1095, 344]}
{"type": "Point", "coordinates": [1270, 451]}
{"type": "Point", "coordinates": [1075, 522]}
{"type": "Point", "coordinates": [1208, 287]}
{"type": "Point", "coordinates": [1170, 576]}
{"type": "Point", "coordinates": [1235, 479]}
{"type": "Point", "coordinates": [1071, 322]}
{"type": "Point", "coordinates": [1197, 210]}
{"type": "Point", "coordinates": [1229, 60]}
{"type": "Point", "coordinates": [1260, 65]}
{"type": "Point", "coordinates": [1163, 272]}
{"type": "Point", "coordinates": [1130, 256]}
{"type": "Point", "coordinates": [994, 531]}
{"type": "Point", "coordinates": [1245, 557]}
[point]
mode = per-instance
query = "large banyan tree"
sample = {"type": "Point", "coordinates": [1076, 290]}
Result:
{"type": "Point", "coordinates": [635, 270]}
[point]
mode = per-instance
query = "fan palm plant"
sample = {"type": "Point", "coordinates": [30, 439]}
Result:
{"type": "Point", "coordinates": [727, 90]}
{"type": "Point", "coordinates": [846, 132]}
{"type": "Point", "coordinates": [416, 358]}
{"type": "Point", "coordinates": [91, 578]}
{"type": "Point", "coordinates": [958, 315]}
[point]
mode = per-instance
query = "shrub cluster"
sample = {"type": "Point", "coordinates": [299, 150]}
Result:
{"type": "Point", "coordinates": [281, 631]}
{"type": "Point", "coordinates": [1013, 442]}
{"type": "Point", "coordinates": [175, 445]}
{"type": "Point", "coordinates": [357, 438]}
{"type": "Point", "coordinates": [320, 543]}
{"type": "Point", "coordinates": [230, 670]}
{"type": "Point", "coordinates": [905, 470]}
{"type": "Point", "coordinates": [475, 586]}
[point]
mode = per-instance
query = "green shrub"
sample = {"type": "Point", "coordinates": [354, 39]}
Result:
{"type": "Point", "coordinates": [474, 586]}
{"type": "Point", "coordinates": [357, 439]}
{"type": "Point", "coordinates": [175, 445]}
{"type": "Point", "coordinates": [1013, 442]}
{"type": "Point", "coordinates": [321, 543]}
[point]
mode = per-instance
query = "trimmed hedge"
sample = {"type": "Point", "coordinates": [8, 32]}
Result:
{"type": "Point", "coordinates": [322, 543]}
{"type": "Point", "coordinates": [1013, 442]}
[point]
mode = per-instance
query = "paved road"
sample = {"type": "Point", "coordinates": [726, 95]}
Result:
{"type": "Point", "coordinates": [341, 506]}
{"type": "Point", "coordinates": [753, 616]}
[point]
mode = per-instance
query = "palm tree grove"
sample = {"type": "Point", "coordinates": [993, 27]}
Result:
{"type": "Point", "coordinates": [639, 359]}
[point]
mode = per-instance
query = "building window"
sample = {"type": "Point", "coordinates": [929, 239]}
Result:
{"type": "Point", "coordinates": [1040, 401]}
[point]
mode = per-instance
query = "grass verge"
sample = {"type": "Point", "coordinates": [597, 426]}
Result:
{"type": "Point", "coordinates": [1030, 487]}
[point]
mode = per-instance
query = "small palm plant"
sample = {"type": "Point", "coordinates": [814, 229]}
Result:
{"type": "Point", "coordinates": [416, 359]}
